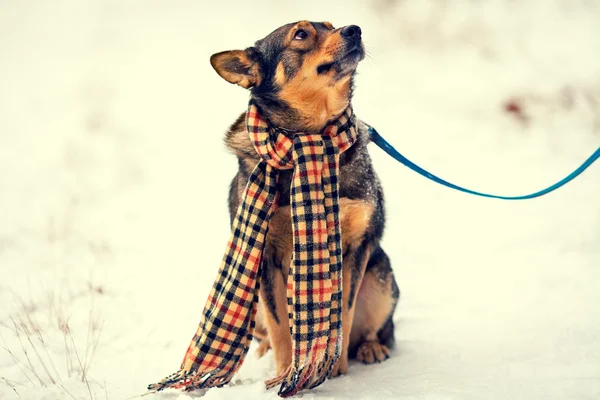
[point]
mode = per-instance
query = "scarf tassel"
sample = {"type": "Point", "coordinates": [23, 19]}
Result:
{"type": "Point", "coordinates": [189, 380]}
{"type": "Point", "coordinates": [292, 380]}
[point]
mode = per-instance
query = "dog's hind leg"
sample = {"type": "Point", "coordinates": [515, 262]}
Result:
{"type": "Point", "coordinates": [372, 333]}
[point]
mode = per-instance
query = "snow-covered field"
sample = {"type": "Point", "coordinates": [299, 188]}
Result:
{"type": "Point", "coordinates": [111, 126]}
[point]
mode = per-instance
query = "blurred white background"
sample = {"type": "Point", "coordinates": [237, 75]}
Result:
{"type": "Point", "coordinates": [114, 177]}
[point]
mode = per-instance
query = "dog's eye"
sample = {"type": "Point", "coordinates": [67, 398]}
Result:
{"type": "Point", "coordinates": [300, 35]}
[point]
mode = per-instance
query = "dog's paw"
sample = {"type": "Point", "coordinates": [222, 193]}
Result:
{"type": "Point", "coordinates": [372, 352]}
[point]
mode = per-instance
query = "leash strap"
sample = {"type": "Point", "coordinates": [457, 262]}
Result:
{"type": "Point", "coordinates": [388, 148]}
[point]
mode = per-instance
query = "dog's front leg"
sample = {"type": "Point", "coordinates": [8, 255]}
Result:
{"type": "Point", "coordinates": [273, 296]}
{"type": "Point", "coordinates": [353, 269]}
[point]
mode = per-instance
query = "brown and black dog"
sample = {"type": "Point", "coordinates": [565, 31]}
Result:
{"type": "Point", "coordinates": [301, 77]}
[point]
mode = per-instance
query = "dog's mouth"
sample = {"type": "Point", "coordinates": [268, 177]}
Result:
{"type": "Point", "coordinates": [345, 64]}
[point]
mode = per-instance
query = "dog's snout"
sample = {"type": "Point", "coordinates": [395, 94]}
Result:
{"type": "Point", "coordinates": [351, 32]}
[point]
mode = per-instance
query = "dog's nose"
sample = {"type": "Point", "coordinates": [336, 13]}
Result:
{"type": "Point", "coordinates": [351, 32]}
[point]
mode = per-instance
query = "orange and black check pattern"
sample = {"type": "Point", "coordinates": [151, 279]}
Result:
{"type": "Point", "coordinates": [314, 284]}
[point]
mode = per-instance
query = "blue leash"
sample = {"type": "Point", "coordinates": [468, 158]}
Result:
{"type": "Point", "coordinates": [388, 148]}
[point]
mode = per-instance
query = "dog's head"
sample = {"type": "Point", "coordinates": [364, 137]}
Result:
{"type": "Point", "coordinates": [301, 75]}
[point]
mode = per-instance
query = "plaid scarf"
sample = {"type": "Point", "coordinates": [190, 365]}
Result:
{"type": "Point", "coordinates": [314, 285]}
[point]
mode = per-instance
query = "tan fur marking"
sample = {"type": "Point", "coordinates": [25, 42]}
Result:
{"type": "Point", "coordinates": [280, 74]}
{"type": "Point", "coordinates": [260, 330]}
{"type": "Point", "coordinates": [279, 334]}
{"type": "Point", "coordinates": [261, 333]}
{"type": "Point", "coordinates": [354, 216]}
{"type": "Point", "coordinates": [301, 44]}
{"type": "Point", "coordinates": [318, 96]}
{"type": "Point", "coordinates": [257, 75]}
{"type": "Point", "coordinates": [280, 237]}
{"type": "Point", "coordinates": [263, 348]}
{"type": "Point", "coordinates": [328, 24]}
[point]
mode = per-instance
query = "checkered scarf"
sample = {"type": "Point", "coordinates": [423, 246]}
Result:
{"type": "Point", "coordinates": [314, 285]}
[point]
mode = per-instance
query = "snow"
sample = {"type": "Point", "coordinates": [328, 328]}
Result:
{"type": "Point", "coordinates": [113, 186]}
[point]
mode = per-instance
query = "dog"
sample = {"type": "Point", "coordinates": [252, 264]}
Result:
{"type": "Point", "coordinates": [301, 76]}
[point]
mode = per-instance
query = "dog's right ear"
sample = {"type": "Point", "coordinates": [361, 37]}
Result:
{"type": "Point", "coordinates": [237, 66]}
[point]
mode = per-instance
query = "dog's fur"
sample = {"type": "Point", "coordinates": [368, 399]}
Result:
{"type": "Point", "coordinates": [301, 77]}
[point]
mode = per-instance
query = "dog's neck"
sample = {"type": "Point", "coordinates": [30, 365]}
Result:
{"type": "Point", "coordinates": [290, 121]}
{"type": "Point", "coordinates": [304, 107]}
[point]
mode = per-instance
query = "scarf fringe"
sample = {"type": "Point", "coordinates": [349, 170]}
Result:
{"type": "Point", "coordinates": [293, 380]}
{"type": "Point", "coordinates": [189, 381]}
{"type": "Point", "coordinates": [324, 370]}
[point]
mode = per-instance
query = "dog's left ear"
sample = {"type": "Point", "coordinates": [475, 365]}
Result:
{"type": "Point", "coordinates": [237, 66]}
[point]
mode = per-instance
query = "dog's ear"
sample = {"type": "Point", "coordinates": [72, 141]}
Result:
{"type": "Point", "coordinates": [237, 66]}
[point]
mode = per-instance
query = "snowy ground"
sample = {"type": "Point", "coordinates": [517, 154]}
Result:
{"type": "Point", "coordinates": [111, 125]}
